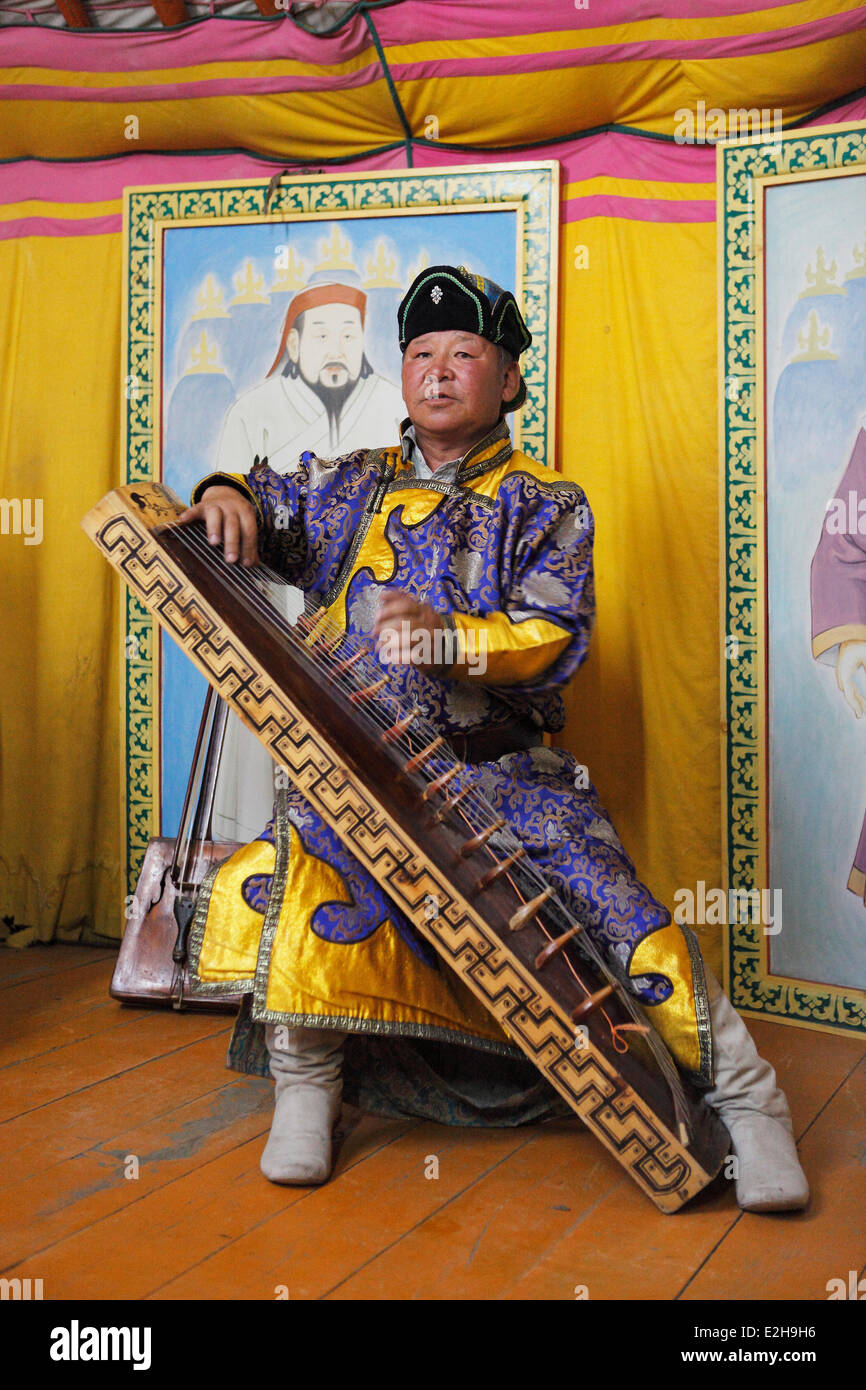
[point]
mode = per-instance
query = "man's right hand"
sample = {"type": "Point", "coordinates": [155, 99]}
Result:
{"type": "Point", "coordinates": [230, 519]}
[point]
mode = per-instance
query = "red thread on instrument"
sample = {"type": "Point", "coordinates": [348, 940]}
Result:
{"type": "Point", "coordinates": [616, 1028]}
{"type": "Point", "coordinates": [368, 691]}
{"type": "Point", "coordinates": [398, 730]}
{"type": "Point", "coordinates": [414, 763]}
{"type": "Point", "coordinates": [441, 781]}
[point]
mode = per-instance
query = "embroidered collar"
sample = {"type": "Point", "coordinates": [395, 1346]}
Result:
{"type": "Point", "coordinates": [483, 455]}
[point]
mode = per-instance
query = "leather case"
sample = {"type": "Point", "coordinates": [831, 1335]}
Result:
{"type": "Point", "coordinates": [145, 971]}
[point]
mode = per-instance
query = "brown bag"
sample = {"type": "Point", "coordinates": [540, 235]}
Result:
{"type": "Point", "coordinates": [152, 966]}
{"type": "Point", "coordinates": [145, 972]}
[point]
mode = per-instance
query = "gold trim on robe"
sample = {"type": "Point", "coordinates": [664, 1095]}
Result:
{"type": "Point", "coordinates": [375, 984]}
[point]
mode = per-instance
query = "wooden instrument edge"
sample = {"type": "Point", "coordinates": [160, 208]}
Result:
{"type": "Point", "coordinates": [616, 1114]}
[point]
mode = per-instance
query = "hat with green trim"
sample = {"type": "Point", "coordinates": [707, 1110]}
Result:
{"type": "Point", "coordinates": [447, 297]}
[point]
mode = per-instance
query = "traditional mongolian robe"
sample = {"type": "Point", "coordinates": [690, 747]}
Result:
{"type": "Point", "coordinates": [503, 547]}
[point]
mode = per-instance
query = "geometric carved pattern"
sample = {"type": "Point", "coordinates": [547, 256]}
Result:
{"type": "Point", "coordinates": [620, 1118]}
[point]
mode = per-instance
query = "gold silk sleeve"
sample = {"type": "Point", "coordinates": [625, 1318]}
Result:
{"type": "Point", "coordinates": [234, 480]}
{"type": "Point", "coordinates": [496, 651]}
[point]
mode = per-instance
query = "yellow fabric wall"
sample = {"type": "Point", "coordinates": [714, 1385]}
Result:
{"type": "Point", "coordinates": [59, 440]}
{"type": "Point", "coordinates": [638, 430]}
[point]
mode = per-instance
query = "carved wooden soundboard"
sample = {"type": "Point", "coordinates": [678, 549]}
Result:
{"type": "Point", "coordinates": [617, 1097]}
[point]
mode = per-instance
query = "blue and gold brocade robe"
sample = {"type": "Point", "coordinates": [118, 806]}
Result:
{"type": "Point", "coordinates": [506, 551]}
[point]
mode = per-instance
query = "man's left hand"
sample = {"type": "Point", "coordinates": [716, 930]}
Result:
{"type": "Point", "coordinates": [408, 633]}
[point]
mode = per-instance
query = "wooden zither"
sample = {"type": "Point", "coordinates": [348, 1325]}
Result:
{"type": "Point", "coordinates": [390, 787]}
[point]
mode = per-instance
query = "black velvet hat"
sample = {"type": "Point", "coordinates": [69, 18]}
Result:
{"type": "Point", "coordinates": [451, 297]}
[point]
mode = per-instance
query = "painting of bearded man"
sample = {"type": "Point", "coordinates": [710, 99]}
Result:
{"type": "Point", "coordinates": [321, 393]}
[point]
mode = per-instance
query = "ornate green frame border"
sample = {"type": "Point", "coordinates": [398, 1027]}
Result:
{"type": "Point", "coordinates": [533, 188]}
{"type": "Point", "coordinates": [743, 168]}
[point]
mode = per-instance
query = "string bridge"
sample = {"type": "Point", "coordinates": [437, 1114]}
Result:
{"type": "Point", "coordinates": [414, 763]}
{"type": "Point", "coordinates": [450, 804]}
{"type": "Point", "coordinates": [524, 915]}
{"type": "Point", "coordinates": [591, 1003]}
{"type": "Point", "coordinates": [368, 691]}
{"type": "Point", "coordinates": [400, 728]}
{"type": "Point", "coordinates": [499, 869]}
{"type": "Point", "coordinates": [554, 947]}
{"type": "Point", "coordinates": [480, 840]}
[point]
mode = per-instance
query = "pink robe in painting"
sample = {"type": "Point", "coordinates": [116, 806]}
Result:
{"type": "Point", "coordinates": [839, 589]}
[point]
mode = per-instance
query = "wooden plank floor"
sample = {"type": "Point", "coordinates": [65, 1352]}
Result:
{"type": "Point", "coordinates": [91, 1091]}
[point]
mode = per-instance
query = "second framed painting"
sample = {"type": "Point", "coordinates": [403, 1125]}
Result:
{"type": "Point", "coordinates": [264, 325]}
{"type": "Point", "coordinates": [792, 215]}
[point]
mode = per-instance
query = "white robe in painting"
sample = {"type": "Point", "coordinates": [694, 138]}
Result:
{"type": "Point", "coordinates": [282, 418]}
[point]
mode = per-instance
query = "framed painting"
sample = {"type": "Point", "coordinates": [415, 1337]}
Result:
{"type": "Point", "coordinates": [792, 224]}
{"type": "Point", "coordinates": [264, 324]}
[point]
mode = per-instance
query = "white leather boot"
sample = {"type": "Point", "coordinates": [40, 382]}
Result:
{"type": "Point", "coordinates": [306, 1064]}
{"type": "Point", "coordinates": [745, 1094]}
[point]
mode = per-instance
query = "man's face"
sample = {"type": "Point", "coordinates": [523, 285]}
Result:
{"type": "Point", "coordinates": [330, 346]}
{"type": "Point", "coordinates": [454, 382]}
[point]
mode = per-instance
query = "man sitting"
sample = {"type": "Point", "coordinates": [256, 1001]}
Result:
{"type": "Point", "coordinates": [452, 535]}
